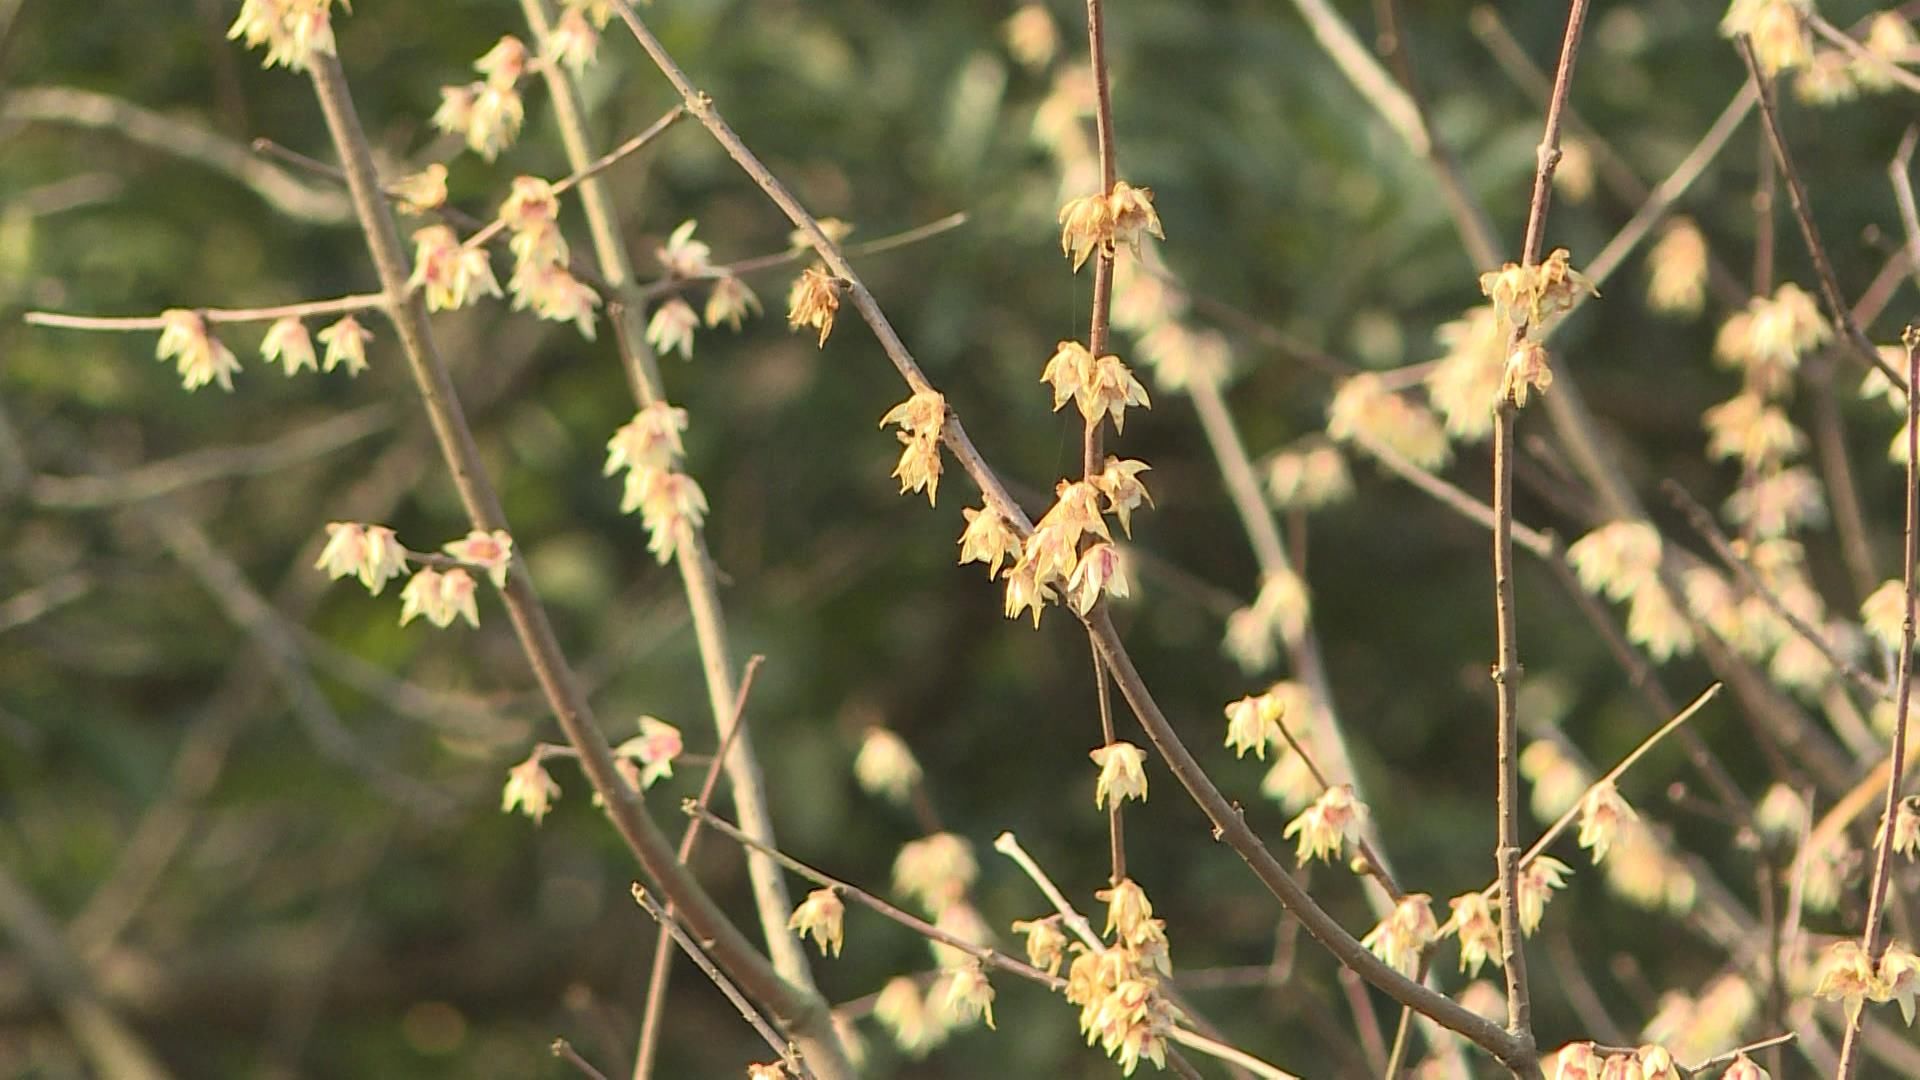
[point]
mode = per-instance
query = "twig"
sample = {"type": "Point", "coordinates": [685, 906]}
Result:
{"type": "Point", "coordinates": [1861, 347]}
{"type": "Point", "coordinates": [306, 309]}
{"type": "Point", "coordinates": [564, 1050]}
{"type": "Point", "coordinates": [590, 169]}
{"type": "Point", "coordinates": [667, 286]}
{"type": "Point", "coordinates": [802, 1010]}
{"type": "Point", "coordinates": [1900, 172]}
{"type": "Point", "coordinates": [1703, 523]}
{"type": "Point", "coordinates": [1376, 867]}
{"type": "Point", "coordinates": [670, 927]}
{"type": "Point", "coordinates": [873, 903]}
{"type": "Point", "coordinates": [1873, 938]}
{"type": "Point", "coordinates": [1451, 495]}
{"type": "Point", "coordinates": [1215, 1048]}
{"type": "Point", "coordinates": [661, 971]}
{"type": "Point", "coordinates": [1728, 1058]}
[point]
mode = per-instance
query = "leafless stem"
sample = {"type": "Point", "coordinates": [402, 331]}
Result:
{"type": "Point", "coordinates": [670, 927]}
{"type": "Point", "coordinates": [1722, 1060]}
{"type": "Point", "coordinates": [800, 1009]}
{"type": "Point", "coordinates": [654, 1011]}
{"type": "Point", "coordinates": [1861, 347]}
{"type": "Point", "coordinates": [1375, 866]}
{"type": "Point", "coordinates": [306, 309]}
{"type": "Point", "coordinates": [564, 1050]}
{"type": "Point", "coordinates": [1900, 172]}
{"type": "Point", "coordinates": [1507, 670]}
{"type": "Point", "coordinates": [1873, 938]}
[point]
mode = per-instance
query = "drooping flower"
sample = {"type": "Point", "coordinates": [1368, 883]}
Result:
{"type": "Point", "coordinates": [823, 916]}
{"type": "Point", "coordinates": [651, 440]}
{"type": "Point", "coordinates": [1362, 406]}
{"type": "Point", "coordinates": [682, 256]}
{"type": "Point", "coordinates": [346, 343]}
{"type": "Point", "coordinates": [451, 274]}
{"type": "Point", "coordinates": [1472, 921]}
{"type": "Point", "coordinates": [671, 328]}
{"type": "Point", "coordinates": [813, 301]}
{"type": "Point", "coordinates": [200, 357]}
{"type": "Point", "coordinates": [489, 551]}
{"type": "Point", "coordinates": [370, 552]}
{"type": "Point", "coordinates": [573, 41]}
{"type": "Point", "coordinates": [1677, 269]}
{"type": "Point", "coordinates": [1123, 774]}
{"type": "Point", "coordinates": [1120, 483]}
{"type": "Point", "coordinates": [420, 192]}
{"type": "Point", "coordinates": [294, 31]}
{"type": "Point", "coordinates": [1537, 881]}
{"type": "Point", "coordinates": [988, 538]}
{"type": "Point", "coordinates": [1327, 825]}
{"type": "Point", "coordinates": [1101, 571]}
{"type": "Point", "coordinates": [287, 342]}
{"type": "Point", "coordinates": [936, 870]}
{"type": "Point", "coordinates": [1906, 827]}
{"type": "Point", "coordinates": [1601, 814]}
{"type": "Point", "coordinates": [440, 596]}
{"type": "Point", "coordinates": [1777, 28]}
{"type": "Point", "coordinates": [655, 749]}
{"type": "Point", "coordinates": [1252, 723]}
{"type": "Point", "coordinates": [922, 419]}
{"type": "Point", "coordinates": [530, 789]}
{"type": "Point", "coordinates": [1046, 942]}
{"type": "Point", "coordinates": [1533, 297]}
{"type": "Point", "coordinates": [1847, 975]}
{"type": "Point", "coordinates": [969, 996]}
{"type": "Point", "coordinates": [1308, 479]}
{"type": "Point", "coordinates": [730, 302]}
{"type": "Point", "coordinates": [1405, 932]}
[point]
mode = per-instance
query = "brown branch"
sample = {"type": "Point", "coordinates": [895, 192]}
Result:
{"type": "Point", "coordinates": [654, 1011]}
{"type": "Point", "coordinates": [1873, 938]}
{"type": "Point", "coordinates": [564, 1050]}
{"type": "Point", "coordinates": [801, 1010]}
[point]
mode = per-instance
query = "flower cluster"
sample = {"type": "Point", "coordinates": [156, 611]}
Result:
{"type": "Point", "coordinates": [686, 259]}
{"type": "Point", "coordinates": [442, 593]}
{"type": "Point", "coordinates": [1277, 614]}
{"type": "Point", "coordinates": [1101, 223]}
{"type": "Point", "coordinates": [1117, 985]}
{"type": "Point", "coordinates": [1290, 782]}
{"type": "Point", "coordinates": [292, 30]}
{"type": "Point", "coordinates": [668, 500]}
{"type": "Point", "coordinates": [575, 37]}
{"type": "Point", "coordinates": [487, 113]}
{"type": "Point", "coordinates": [1053, 563]}
{"type": "Point", "coordinates": [1698, 1026]}
{"type": "Point", "coordinates": [452, 274]}
{"type": "Point", "coordinates": [1848, 975]}
{"type": "Point", "coordinates": [1765, 341]}
{"type": "Point", "coordinates": [1403, 935]}
{"type": "Point", "coordinates": [1529, 300]}
{"type": "Point", "coordinates": [200, 357]}
{"type": "Point", "coordinates": [1155, 313]}
{"type": "Point", "coordinates": [1325, 827]}
{"type": "Point", "coordinates": [936, 871]}
{"type": "Point", "coordinates": [1583, 1061]}
{"type": "Point", "coordinates": [541, 279]}
{"type": "Point", "coordinates": [922, 419]}
{"type": "Point", "coordinates": [1465, 383]}
{"type": "Point", "coordinates": [1099, 386]}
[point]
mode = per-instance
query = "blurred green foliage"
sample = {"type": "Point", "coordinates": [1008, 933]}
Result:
{"type": "Point", "coordinates": [314, 924]}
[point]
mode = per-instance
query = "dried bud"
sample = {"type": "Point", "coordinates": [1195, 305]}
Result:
{"type": "Point", "coordinates": [814, 300]}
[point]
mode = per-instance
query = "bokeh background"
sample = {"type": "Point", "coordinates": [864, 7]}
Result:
{"type": "Point", "coordinates": [269, 883]}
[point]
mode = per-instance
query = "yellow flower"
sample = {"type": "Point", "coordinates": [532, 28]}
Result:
{"type": "Point", "coordinates": [1133, 214]}
{"type": "Point", "coordinates": [1847, 975]}
{"type": "Point", "coordinates": [574, 41]}
{"type": "Point", "coordinates": [813, 301]}
{"type": "Point", "coordinates": [1617, 559]}
{"type": "Point", "coordinates": [1527, 369]}
{"type": "Point", "coordinates": [969, 995]}
{"type": "Point", "coordinates": [672, 327]}
{"type": "Point", "coordinates": [1743, 1068]}
{"type": "Point", "coordinates": [650, 440]}
{"type": "Point", "coordinates": [1906, 827]}
{"type": "Point", "coordinates": [1326, 825]}
{"type": "Point", "coordinates": [1884, 614]}
{"type": "Point", "coordinates": [730, 302]}
{"type": "Point", "coordinates": [452, 275]}
{"type": "Point", "coordinates": [823, 916]}
{"type": "Point", "coordinates": [529, 789]}
{"type": "Point", "coordinates": [1899, 977]}
{"type": "Point", "coordinates": [988, 539]}
{"type": "Point", "coordinates": [1362, 406]}
{"type": "Point", "coordinates": [1100, 572]}
{"type": "Point", "coordinates": [1025, 591]}
{"type": "Point", "coordinates": [1400, 938]}
{"type": "Point", "coordinates": [1031, 36]}
{"type": "Point", "coordinates": [1252, 722]}
{"type": "Point", "coordinates": [1532, 297]}
{"type": "Point", "coordinates": [1778, 29]}
{"type": "Point", "coordinates": [903, 1012]}
{"type": "Point", "coordinates": [682, 256]}
{"type": "Point", "coordinates": [654, 750]}
{"type": "Point", "coordinates": [287, 341]}
{"type": "Point", "coordinates": [1046, 942]}
{"type": "Point", "coordinates": [1538, 879]}
{"type": "Point", "coordinates": [346, 343]}
{"type": "Point", "coordinates": [1472, 920]}
{"type": "Point", "coordinates": [489, 551]}
{"type": "Point", "coordinates": [1086, 226]}
{"type": "Point", "coordinates": [201, 358]}
{"type": "Point", "coordinates": [1308, 480]}
{"type": "Point", "coordinates": [922, 418]}
{"type": "Point", "coordinates": [1123, 773]}
{"type": "Point", "coordinates": [293, 30]}
{"type": "Point", "coordinates": [504, 63]}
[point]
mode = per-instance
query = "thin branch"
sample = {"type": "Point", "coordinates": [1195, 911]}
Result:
{"type": "Point", "coordinates": [992, 957]}
{"type": "Point", "coordinates": [1900, 172]}
{"type": "Point", "coordinates": [654, 1011]}
{"type": "Point", "coordinates": [1722, 1060]}
{"type": "Point", "coordinates": [1452, 496]}
{"type": "Point", "coordinates": [590, 169]}
{"type": "Point", "coordinates": [1217, 1049]}
{"type": "Point", "coordinates": [1861, 54]}
{"type": "Point", "coordinates": [670, 927]}
{"type": "Point", "coordinates": [1375, 866]}
{"type": "Point", "coordinates": [879, 245]}
{"type": "Point", "coordinates": [1861, 346]}
{"type": "Point", "coordinates": [306, 309]}
{"type": "Point", "coordinates": [564, 1050]}
{"type": "Point", "coordinates": [1873, 938]}
{"type": "Point", "coordinates": [1507, 670]}
{"type": "Point", "coordinates": [801, 1010]}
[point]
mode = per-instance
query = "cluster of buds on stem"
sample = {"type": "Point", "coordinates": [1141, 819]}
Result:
{"type": "Point", "coordinates": [541, 279]}
{"type": "Point", "coordinates": [1528, 301]}
{"type": "Point", "coordinates": [441, 589]}
{"type": "Point", "coordinates": [488, 113]}
{"type": "Point", "coordinates": [669, 501]}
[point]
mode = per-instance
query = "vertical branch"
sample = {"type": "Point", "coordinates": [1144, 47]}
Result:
{"type": "Point", "coordinates": [745, 782]}
{"type": "Point", "coordinates": [1093, 454]}
{"type": "Point", "coordinates": [1874, 938]}
{"type": "Point", "coordinates": [799, 1008]}
{"type": "Point", "coordinates": [1506, 671]}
